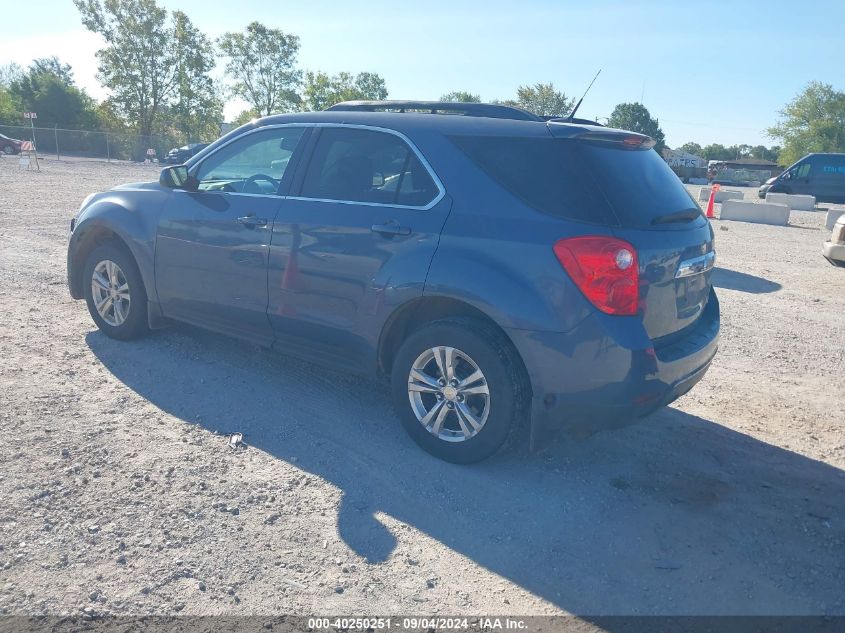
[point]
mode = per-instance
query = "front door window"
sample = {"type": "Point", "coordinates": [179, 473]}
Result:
{"type": "Point", "coordinates": [255, 163]}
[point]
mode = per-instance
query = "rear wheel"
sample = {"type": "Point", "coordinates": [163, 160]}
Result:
{"type": "Point", "coordinates": [458, 389]}
{"type": "Point", "coordinates": [114, 292]}
{"type": "Point", "coordinates": [8, 150]}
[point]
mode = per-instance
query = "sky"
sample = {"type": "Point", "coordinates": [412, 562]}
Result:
{"type": "Point", "coordinates": [710, 71]}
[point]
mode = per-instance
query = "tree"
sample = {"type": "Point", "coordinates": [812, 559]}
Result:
{"type": "Point", "coordinates": [47, 87]}
{"type": "Point", "coordinates": [814, 121]}
{"type": "Point", "coordinates": [261, 63]}
{"type": "Point", "coordinates": [692, 148]}
{"type": "Point", "coordinates": [543, 100]}
{"type": "Point", "coordinates": [716, 151]}
{"type": "Point", "coordinates": [197, 108]}
{"type": "Point", "coordinates": [10, 108]}
{"type": "Point", "coordinates": [459, 96]}
{"type": "Point", "coordinates": [765, 153]}
{"type": "Point", "coordinates": [245, 117]}
{"type": "Point", "coordinates": [321, 91]}
{"type": "Point", "coordinates": [636, 118]}
{"type": "Point", "coordinates": [9, 73]}
{"type": "Point", "coordinates": [136, 65]}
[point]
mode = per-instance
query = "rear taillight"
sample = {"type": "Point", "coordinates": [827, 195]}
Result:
{"type": "Point", "coordinates": [605, 269]}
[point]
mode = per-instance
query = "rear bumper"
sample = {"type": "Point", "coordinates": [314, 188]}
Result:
{"type": "Point", "coordinates": [606, 372]}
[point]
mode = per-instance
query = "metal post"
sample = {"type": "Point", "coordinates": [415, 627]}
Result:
{"type": "Point", "coordinates": [56, 132]}
{"type": "Point", "coordinates": [108, 151]}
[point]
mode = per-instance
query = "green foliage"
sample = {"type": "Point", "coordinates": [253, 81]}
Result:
{"type": "Point", "coordinates": [156, 67]}
{"type": "Point", "coordinates": [716, 151]}
{"type": "Point", "coordinates": [9, 73]}
{"type": "Point", "coordinates": [692, 148]}
{"type": "Point", "coordinates": [543, 100]}
{"type": "Point", "coordinates": [136, 65]}
{"type": "Point", "coordinates": [321, 91]}
{"type": "Point", "coordinates": [47, 87]}
{"type": "Point", "coordinates": [814, 121]}
{"type": "Point", "coordinates": [245, 117]}
{"type": "Point", "coordinates": [636, 118]}
{"type": "Point", "coordinates": [261, 63]}
{"type": "Point", "coordinates": [459, 96]}
{"type": "Point", "coordinates": [197, 109]}
{"type": "Point", "coordinates": [10, 107]}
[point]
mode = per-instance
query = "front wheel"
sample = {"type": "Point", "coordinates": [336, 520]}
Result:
{"type": "Point", "coordinates": [458, 389]}
{"type": "Point", "coordinates": [114, 292]}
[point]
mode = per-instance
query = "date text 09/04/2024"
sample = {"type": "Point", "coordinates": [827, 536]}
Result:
{"type": "Point", "coordinates": [414, 623]}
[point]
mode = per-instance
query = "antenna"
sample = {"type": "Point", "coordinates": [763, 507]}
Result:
{"type": "Point", "coordinates": [578, 105]}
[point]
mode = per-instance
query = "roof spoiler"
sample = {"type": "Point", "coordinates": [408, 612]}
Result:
{"type": "Point", "coordinates": [598, 134]}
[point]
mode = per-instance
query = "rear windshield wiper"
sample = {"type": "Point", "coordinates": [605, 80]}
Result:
{"type": "Point", "coordinates": [687, 215]}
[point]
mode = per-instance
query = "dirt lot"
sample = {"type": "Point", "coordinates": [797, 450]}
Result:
{"type": "Point", "coordinates": [120, 495]}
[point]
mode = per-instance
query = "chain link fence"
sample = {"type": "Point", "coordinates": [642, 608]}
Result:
{"type": "Point", "coordinates": [90, 144]}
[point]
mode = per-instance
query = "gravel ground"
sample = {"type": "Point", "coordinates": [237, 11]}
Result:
{"type": "Point", "coordinates": [120, 494]}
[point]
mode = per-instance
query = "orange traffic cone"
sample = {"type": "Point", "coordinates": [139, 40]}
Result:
{"type": "Point", "coordinates": [712, 199]}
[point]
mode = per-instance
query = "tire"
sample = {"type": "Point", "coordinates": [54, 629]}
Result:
{"type": "Point", "coordinates": [478, 346]}
{"type": "Point", "coordinates": [8, 150]}
{"type": "Point", "coordinates": [133, 323]}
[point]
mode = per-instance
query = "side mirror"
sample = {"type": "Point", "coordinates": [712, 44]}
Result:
{"type": "Point", "coordinates": [177, 177]}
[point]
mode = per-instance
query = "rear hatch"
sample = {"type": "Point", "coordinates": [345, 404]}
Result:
{"type": "Point", "coordinates": [654, 213]}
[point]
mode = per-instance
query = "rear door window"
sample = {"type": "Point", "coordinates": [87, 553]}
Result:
{"type": "Point", "coordinates": [368, 166]}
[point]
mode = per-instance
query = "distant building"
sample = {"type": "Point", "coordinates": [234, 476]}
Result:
{"type": "Point", "coordinates": [749, 172]}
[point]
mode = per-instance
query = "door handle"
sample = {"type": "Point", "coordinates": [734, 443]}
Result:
{"type": "Point", "coordinates": [251, 220]}
{"type": "Point", "coordinates": [391, 227]}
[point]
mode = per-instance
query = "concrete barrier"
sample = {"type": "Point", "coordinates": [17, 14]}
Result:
{"type": "Point", "coordinates": [759, 212]}
{"type": "Point", "coordinates": [793, 201]}
{"type": "Point", "coordinates": [832, 217]}
{"type": "Point", "coordinates": [721, 195]}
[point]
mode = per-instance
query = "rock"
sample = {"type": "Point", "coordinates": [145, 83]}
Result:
{"type": "Point", "coordinates": [178, 606]}
{"type": "Point", "coordinates": [121, 560]}
{"type": "Point", "coordinates": [338, 589]}
{"type": "Point", "coordinates": [146, 542]}
{"type": "Point", "coordinates": [93, 595]}
{"type": "Point", "coordinates": [93, 528]}
{"type": "Point", "coordinates": [65, 453]}
{"type": "Point", "coordinates": [201, 586]}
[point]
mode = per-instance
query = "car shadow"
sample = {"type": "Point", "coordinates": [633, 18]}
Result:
{"type": "Point", "coordinates": [674, 515]}
{"type": "Point", "coordinates": [734, 280]}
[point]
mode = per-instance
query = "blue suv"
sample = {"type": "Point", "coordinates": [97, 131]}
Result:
{"type": "Point", "coordinates": [510, 275]}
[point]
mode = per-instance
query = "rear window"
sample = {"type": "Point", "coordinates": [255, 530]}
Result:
{"type": "Point", "coordinates": [638, 184]}
{"type": "Point", "coordinates": [577, 180]}
{"type": "Point", "coordinates": [547, 174]}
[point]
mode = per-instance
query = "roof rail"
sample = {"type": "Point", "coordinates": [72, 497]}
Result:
{"type": "Point", "coordinates": [491, 110]}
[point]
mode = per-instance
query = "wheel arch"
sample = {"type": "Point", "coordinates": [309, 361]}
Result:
{"type": "Point", "coordinates": [91, 238]}
{"type": "Point", "coordinates": [415, 313]}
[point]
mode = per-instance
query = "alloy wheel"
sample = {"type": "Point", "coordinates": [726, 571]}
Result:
{"type": "Point", "coordinates": [449, 394]}
{"type": "Point", "coordinates": [110, 291]}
